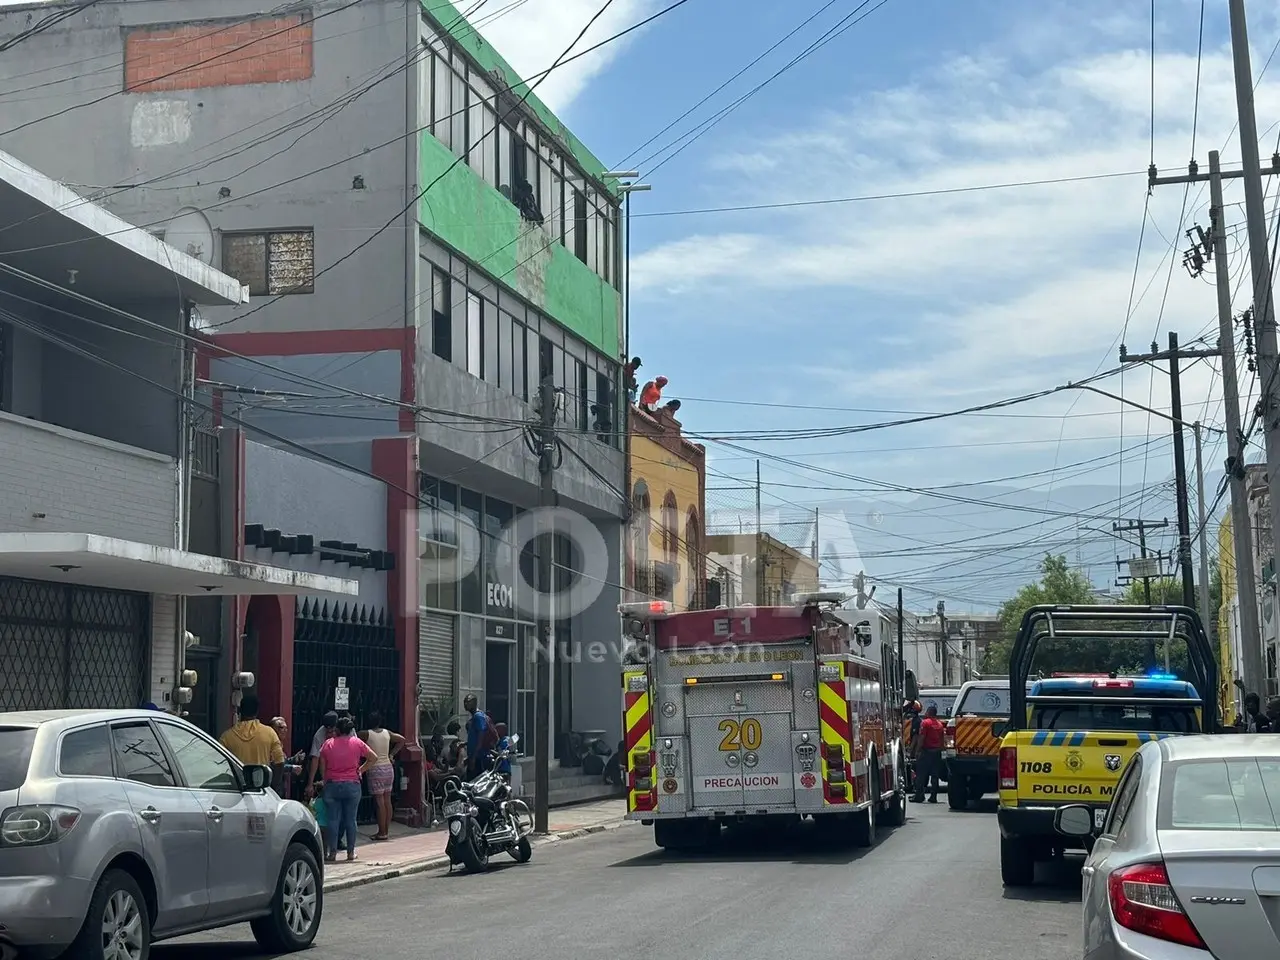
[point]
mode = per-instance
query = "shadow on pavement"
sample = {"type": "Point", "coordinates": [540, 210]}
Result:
{"type": "Point", "coordinates": [800, 843]}
{"type": "Point", "coordinates": [213, 950]}
{"type": "Point", "coordinates": [1057, 881]}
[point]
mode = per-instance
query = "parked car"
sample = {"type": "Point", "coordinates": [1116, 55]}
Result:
{"type": "Point", "coordinates": [1187, 863]}
{"type": "Point", "coordinates": [120, 828]}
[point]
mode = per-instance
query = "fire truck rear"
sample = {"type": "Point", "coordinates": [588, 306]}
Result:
{"type": "Point", "coordinates": [760, 713]}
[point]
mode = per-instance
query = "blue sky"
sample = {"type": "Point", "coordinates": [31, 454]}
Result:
{"type": "Point", "coordinates": [922, 304]}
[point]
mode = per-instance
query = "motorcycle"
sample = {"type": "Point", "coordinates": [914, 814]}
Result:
{"type": "Point", "coordinates": [484, 819]}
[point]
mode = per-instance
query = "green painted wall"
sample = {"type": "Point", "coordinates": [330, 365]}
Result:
{"type": "Point", "coordinates": [447, 15]}
{"type": "Point", "coordinates": [480, 223]}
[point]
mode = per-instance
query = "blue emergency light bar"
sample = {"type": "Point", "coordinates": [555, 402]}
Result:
{"type": "Point", "coordinates": [1162, 686]}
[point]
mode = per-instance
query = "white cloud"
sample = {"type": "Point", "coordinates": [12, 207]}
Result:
{"type": "Point", "coordinates": [994, 292]}
{"type": "Point", "coordinates": [532, 36]}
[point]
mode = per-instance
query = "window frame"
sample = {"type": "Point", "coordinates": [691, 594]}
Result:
{"type": "Point", "coordinates": [111, 753]}
{"type": "Point", "coordinates": [164, 750]}
{"type": "Point", "coordinates": [237, 769]}
{"type": "Point", "coordinates": [267, 237]}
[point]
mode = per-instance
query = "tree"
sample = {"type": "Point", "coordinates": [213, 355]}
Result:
{"type": "Point", "coordinates": [1058, 583]}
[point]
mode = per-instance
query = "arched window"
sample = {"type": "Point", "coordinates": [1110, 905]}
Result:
{"type": "Point", "coordinates": [693, 553]}
{"type": "Point", "coordinates": [641, 530]}
{"type": "Point", "coordinates": [670, 528]}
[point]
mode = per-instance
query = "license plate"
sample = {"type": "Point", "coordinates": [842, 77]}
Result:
{"type": "Point", "coordinates": [454, 809]}
{"type": "Point", "coordinates": [1099, 818]}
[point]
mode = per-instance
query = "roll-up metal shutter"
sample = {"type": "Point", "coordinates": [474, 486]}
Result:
{"type": "Point", "coordinates": [435, 656]}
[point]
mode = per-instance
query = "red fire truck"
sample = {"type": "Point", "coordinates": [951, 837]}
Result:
{"type": "Point", "coordinates": [757, 713]}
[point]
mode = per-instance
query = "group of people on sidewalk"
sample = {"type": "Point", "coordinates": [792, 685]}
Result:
{"type": "Point", "coordinates": [328, 775]}
{"type": "Point", "coordinates": [336, 763]}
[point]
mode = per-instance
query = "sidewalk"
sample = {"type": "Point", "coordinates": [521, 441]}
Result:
{"type": "Point", "coordinates": [415, 851]}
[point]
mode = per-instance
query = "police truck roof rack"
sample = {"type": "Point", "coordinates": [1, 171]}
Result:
{"type": "Point", "coordinates": [1114, 622]}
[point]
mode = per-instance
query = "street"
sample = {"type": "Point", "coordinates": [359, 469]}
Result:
{"type": "Point", "coordinates": [930, 889]}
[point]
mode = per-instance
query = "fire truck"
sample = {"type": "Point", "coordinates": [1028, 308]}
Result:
{"type": "Point", "coordinates": [755, 714]}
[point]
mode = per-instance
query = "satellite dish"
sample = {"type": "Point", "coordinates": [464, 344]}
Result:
{"type": "Point", "coordinates": [191, 233]}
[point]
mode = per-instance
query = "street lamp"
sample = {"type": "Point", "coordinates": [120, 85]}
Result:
{"type": "Point", "coordinates": [626, 189]}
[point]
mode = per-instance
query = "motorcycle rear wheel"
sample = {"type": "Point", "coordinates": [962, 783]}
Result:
{"type": "Point", "coordinates": [474, 852]}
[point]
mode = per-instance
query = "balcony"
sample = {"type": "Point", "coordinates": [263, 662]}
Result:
{"type": "Point", "coordinates": [57, 480]}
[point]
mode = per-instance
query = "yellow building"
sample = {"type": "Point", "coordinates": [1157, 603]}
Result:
{"type": "Point", "coordinates": [665, 558]}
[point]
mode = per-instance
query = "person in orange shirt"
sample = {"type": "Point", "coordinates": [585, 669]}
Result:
{"type": "Point", "coordinates": [929, 763]}
{"type": "Point", "coordinates": [651, 395]}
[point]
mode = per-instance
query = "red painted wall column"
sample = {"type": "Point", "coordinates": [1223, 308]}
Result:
{"type": "Point", "coordinates": [273, 618]}
{"type": "Point", "coordinates": [395, 462]}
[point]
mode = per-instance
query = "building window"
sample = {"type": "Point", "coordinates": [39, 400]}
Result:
{"type": "Point", "coordinates": [464, 112]}
{"type": "Point", "coordinates": [441, 325]}
{"type": "Point", "coordinates": [491, 366]}
{"type": "Point", "coordinates": [641, 530]}
{"type": "Point", "coordinates": [475, 358]}
{"type": "Point", "coordinates": [670, 528]}
{"type": "Point", "coordinates": [693, 553]}
{"type": "Point", "coordinates": [271, 264]}
{"type": "Point", "coordinates": [583, 398]}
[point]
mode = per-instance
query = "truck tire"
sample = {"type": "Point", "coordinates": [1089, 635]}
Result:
{"type": "Point", "coordinates": [1017, 862]}
{"type": "Point", "coordinates": [863, 828]}
{"type": "Point", "coordinates": [895, 814]}
{"type": "Point", "coordinates": [958, 794]}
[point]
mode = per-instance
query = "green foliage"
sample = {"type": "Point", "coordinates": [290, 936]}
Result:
{"type": "Point", "coordinates": [1059, 584]}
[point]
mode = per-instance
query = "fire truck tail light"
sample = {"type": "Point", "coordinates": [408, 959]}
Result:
{"type": "Point", "coordinates": [642, 763]}
{"type": "Point", "coordinates": [833, 752]}
{"type": "Point", "coordinates": [777, 676]}
{"type": "Point", "coordinates": [836, 775]}
{"type": "Point", "coordinates": [644, 785]}
{"type": "Point", "coordinates": [838, 789]}
{"type": "Point", "coordinates": [1008, 768]}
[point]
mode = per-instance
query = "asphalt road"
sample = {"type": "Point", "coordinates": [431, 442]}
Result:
{"type": "Point", "coordinates": [930, 889]}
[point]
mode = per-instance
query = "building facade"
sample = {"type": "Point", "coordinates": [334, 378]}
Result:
{"type": "Point", "coordinates": [424, 242]}
{"type": "Point", "coordinates": [666, 549]}
{"type": "Point", "coordinates": [760, 569]}
{"type": "Point", "coordinates": [105, 510]}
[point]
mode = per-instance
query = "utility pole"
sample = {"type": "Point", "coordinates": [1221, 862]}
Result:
{"type": "Point", "coordinates": [1252, 674]}
{"type": "Point", "coordinates": [1173, 355]}
{"type": "Point", "coordinates": [1142, 526]}
{"type": "Point", "coordinates": [1180, 478]}
{"type": "Point", "coordinates": [942, 642]}
{"type": "Point", "coordinates": [1263, 305]}
{"type": "Point", "coordinates": [1241, 532]}
{"type": "Point", "coordinates": [1204, 522]}
{"type": "Point", "coordinates": [546, 615]}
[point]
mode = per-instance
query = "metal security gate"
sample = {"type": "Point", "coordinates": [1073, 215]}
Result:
{"type": "Point", "coordinates": [71, 648]}
{"type": "Point", "coordinates": [435, 658]}
{"type": "Point", "coordinates": [353, 643]}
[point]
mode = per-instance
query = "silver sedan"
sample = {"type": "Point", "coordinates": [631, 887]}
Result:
{"type": "Point", "coordinates": [1187, 865]}
{"type": "Point", "coordinates": [119, 828]}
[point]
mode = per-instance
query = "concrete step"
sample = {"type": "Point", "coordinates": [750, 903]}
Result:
{"type": "Point", "coordinates": [599, 790]}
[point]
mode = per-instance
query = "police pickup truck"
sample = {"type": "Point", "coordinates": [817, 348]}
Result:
{"type": "Point", "coordinates": [1070, 738]}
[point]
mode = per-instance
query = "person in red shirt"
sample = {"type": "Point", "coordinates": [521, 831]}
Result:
{"type": "Point", "coordinates": [928, 755]}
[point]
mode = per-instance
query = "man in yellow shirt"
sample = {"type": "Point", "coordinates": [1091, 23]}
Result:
{"type": "Point", "coordinates": [252, 742]}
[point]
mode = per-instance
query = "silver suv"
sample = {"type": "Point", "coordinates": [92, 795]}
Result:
{"type": "Point", "coordinates": [122, 827]}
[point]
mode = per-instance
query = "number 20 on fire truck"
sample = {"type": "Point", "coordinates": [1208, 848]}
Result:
{"type": "Point", "coordinates": [761, 713]}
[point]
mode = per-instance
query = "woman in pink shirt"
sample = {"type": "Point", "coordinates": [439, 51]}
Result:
{"type": "Point", "coordinates": [343, 761]}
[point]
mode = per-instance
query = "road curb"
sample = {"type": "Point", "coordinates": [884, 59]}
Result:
{"type": "Point", "coordinates": [432, 863]}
